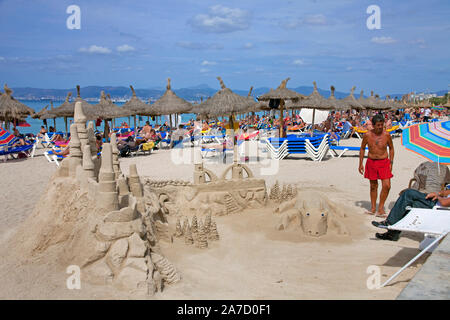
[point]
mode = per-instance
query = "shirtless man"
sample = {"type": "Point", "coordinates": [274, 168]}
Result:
{"type": "Point", "coordinates": [378, 166]}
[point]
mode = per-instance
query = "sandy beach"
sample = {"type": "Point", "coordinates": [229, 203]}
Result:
{"type": "Point", "coordinates": [252, 260]}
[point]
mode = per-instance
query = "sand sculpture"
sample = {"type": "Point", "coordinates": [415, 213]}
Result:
{"type": "Point", "coordinates": [92, 216]}
{"type": "Point", "coordinates": [211, 194]}
{"type": "Point", "coordinates": [279, 195]}
{"type": "Point", "coordinates": [196, 232]}
{"type": "Point", "coordinates": [313, 212]}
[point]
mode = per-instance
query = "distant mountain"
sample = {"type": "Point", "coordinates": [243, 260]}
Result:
{"type": "Point", "coordinates": [194, 93]}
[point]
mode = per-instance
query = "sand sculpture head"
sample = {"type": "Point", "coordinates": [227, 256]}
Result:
{"type": "Point", "coordinates": [314, 219]}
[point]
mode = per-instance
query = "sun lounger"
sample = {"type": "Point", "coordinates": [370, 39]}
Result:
{"type": "Point", "coordinates": [434, 222]}
{"type": "Point", "coordinates": [344, 149]}
{"type": "Point", "coordinates": [317, 153]}
{"type": "Point", "coordinates": [51, 156]}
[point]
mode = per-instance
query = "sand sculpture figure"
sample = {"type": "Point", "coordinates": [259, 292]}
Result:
{"type": "Point", "coordinates": [209, 194]}
{"type": "Point", "coordinates": [194, 224]}
{"type": "Point", "coordinates": [92, 216]}
{"type": "Point", "coordinates": [314, 213]}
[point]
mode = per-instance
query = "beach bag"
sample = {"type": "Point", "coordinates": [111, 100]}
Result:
{"type": "Point", "coordinates": [148, 146]}
{"type": "Point", "coordinates": [124, 152]}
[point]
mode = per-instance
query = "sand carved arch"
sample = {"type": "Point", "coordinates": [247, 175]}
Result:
{"type": "Point", "coordinates": [210, 175]}
{"type": "Point", "coordinates": [242, 166]}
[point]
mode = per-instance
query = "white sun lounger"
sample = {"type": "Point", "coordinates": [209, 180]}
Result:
{"type": "Point", "coordinates": [434, 222]}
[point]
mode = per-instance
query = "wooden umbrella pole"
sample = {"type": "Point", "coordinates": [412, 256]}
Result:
{"type": "Point", "coordinates": [65, 122]}
{"type": "Point", "coordinates": [282, 133]}
{"type": "Point", "coordinates": [312, 126]}
{"type": "Point", "coordinates": [135, 128]}
{"type": "Point", "coordinates": [54, 124]}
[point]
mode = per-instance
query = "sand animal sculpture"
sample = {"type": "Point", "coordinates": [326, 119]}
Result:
{"type": "Point", "coordinates": [92, 216]}
{"type": "Point", "coordinates": [314, 213]}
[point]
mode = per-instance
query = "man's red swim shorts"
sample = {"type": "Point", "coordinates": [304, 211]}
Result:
{"type": "Point", "coordinates": [378, 169]}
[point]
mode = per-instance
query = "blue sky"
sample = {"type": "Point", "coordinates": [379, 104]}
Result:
{"type": "Point", "coordinates": [247, 42]}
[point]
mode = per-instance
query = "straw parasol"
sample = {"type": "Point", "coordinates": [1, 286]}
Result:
{"type": "Point", "coordinates": [370, 103]}
{"type": "Point", "coordinates": [66, 110]}
{"type": "Point", "coordinates": [48, 114]}
{"type": "Point", "coordinates": [138, 107]}
{"type": "Point", "coordinates": [40, 113]}
{"type": "Point", "coordinates": [224, 103]}
{"type": "Point", "coordinates": [170, 103]}
{"type": "Point", "coordinates": [106, 109]}
{"type": "Point", "coordinates": [281, 93]}
{"type": "Point", "coordinates": [11, 109]}
{"type": "Point", "coordinates": [351, 102]}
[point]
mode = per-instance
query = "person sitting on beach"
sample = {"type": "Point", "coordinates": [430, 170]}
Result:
{"type": "Point", "coordinates": [64, 152]}
{"type": "Point", "coordinates": [164, 127]}
{"type": "Point", "coordinates": [42, 132]}
{"type": "Point", "coordinates": [155, 137]}
{"type": "Point", "coordinates": [178, 135]}
{"type": "Point", "coordinates": [378, 165]}
{"type": "Point", "coordinates": [205, 126]}
{"type": "Point", "coordinates": [410, 198]}
{"type": "Point", "coordinates": [98, 142]}
{"type": "Point", "coordinates": [146, 129]}
{"type": "Point", "coordinates": [20, 138]}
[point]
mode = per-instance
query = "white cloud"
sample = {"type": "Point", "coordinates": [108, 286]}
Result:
{"type": "Point", "coordinates": [95, 49]}
{"type": "Point", "coordinates": [309, 20]}
{"type": "Point", "coordinates": [2, 59]}
{"type": "Point", "coordinates": [315, 19]}
{"type": "Point", "coordinates": [383, 40]}
{"type": "Point", "coordinates": [419, 42]}
{"type": "Point", "coordinates": [298, 62]}
{"type": "Point", "coordinates": [125, 48]}
{"type": "Point", "coordinates": [221, 19]}
{"type": "Point", "coordinates": [204, 70]}
{"type": "Point", "coordinates": [208, 63]}
{"type": "Point", "coordinates": [248, 45]}
{"type": "Point", "coordinates": [199, 45]}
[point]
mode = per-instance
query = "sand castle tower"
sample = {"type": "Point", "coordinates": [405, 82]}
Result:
{"type": "Point", "coordinates": [115, 153]}
{"type": "Point", "coordinates": [207, 224]}
{"type": "Point", "coordinates": [188, 239]}
{"type": "Point", "coordinates": [213, 233]}
{"type": "Point", "coordinates": [201, 241]}
{"type": "Point", "coordinates": [80, 121]}
{"type": "Point", "coordinates": [194, 224]}
{"type": "Point", "coordinates": [82, 220]}
{"type": "Point", "coordinates": [76, 155]}
{"type": "Point", "coordinates": [178, 229]}
{"type": "Point", "coordinates": [108, 196]}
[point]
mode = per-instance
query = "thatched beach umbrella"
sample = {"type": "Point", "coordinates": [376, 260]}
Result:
{"type": "Point", "coordinates": [137, 107]}
{"type": "Point", "coordinates": [314, 101]}
{"type": "Point", "coordinates": [170, 103]}
{"type": "Point", "coordinates": [282, 94]}
{"type": "Point", "coordinates": [350, 101]}
{"type": "Point", "coordinates": [370, 103]}
{"type": "Point", "coordinates": [48, 114]}
{"type": "Point", "coordinates": [66, 110]}
{"type": "Point", "coordinates": [106, 109]}
{"type": "Point", "coordinates": [40, 113]}
{"type": "Point", "coordinates": [11, 109]}
{"type": "Point", "coordinates": [223, 103]}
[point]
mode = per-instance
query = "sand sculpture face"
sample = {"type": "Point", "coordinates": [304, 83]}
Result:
{"type": "Point", "coordinates": [314, 219]}
{"type": "Point", "coordinates": [313, 212]}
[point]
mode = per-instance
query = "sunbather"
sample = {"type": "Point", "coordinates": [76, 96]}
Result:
{"type": "Point", "coordinates": [414, 199]}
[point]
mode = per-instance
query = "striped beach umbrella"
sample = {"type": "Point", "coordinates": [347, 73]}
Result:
{"type": "Point", "coordinates": [6, 138]}
{"type": "Point", "coordinates": [430, 140]}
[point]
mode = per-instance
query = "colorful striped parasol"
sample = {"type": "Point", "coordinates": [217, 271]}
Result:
{"type": "Point", "coordinates": [430, 140]}
{"type": "Point", "coordinates": [6, 138]}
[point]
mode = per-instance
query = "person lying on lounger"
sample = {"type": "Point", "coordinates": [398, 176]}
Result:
{"type": "Point", "coordinates": [410, 198]}
{"type": "Point", "coordinates": [64, 152]}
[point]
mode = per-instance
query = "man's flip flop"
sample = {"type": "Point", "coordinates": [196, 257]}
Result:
{"type": "Point", "coordinates": [370, 213]}
{"type": "Point", "coordinates": [383, 215]}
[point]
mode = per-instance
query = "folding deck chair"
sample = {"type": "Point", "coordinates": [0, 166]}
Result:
{"type": "Point", "coordinates": [435, 222]}
{"type": "Point", "coordinates": [344, 149]}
